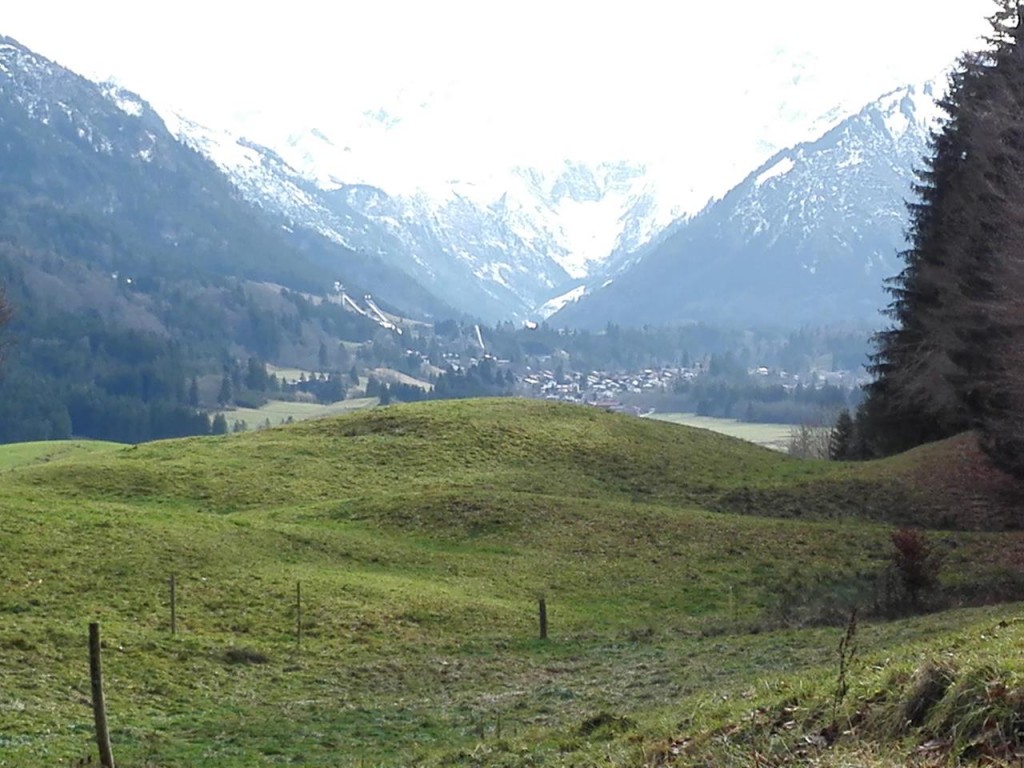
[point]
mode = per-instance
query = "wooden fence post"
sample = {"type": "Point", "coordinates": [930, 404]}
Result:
{"type": "Point", "coordinates": [99, 707]}
{"type": "Point", "coordinates": [298, 614]}
{"type": "Point", "coordinates": [543, 620]}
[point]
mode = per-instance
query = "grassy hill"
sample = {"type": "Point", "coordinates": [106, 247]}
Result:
{"type": "Point", "coordinates": [15, 455]}
{"type": "Point", "coordinates": [694, 584]}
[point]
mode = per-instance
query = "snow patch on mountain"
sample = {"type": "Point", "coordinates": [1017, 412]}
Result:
{"type": "Point", "coordinates": [781, 168]}
{"type": "Point", "coordinates": [123, 99]}
{"type": "Point", "coordinates": [912, 108]}
{"type": "Point", "coordinates": [551, 306]}
{"type": "Point", "coordinates": [227, 152]}
{"type": "Point", "coordinates": [54, 96]}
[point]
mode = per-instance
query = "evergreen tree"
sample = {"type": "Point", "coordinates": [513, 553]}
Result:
{"type": "Point", "coordinates": [224, 396]}
{"type": "Point", "coordinates": [219, 425]}
{"type": "Point", "coordinates": [193, 393]}
{"type": "Point", "coordinates": [912, 399]}
{"type": "Point", "coordinates": [256, 375]}
{"type": "Point", "coordinates": [841, 438]}
{"type": "Point", "coordinates": [998, 406]}
{"type": "Point", "coordinates": [935, 368]}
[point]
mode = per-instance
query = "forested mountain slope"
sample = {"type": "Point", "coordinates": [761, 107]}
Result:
{"type": "Point", "coordinates": [131, 262]}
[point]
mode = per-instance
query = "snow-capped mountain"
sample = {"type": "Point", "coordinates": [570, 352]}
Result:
{"type": "Point", "coordinates": [808, 237]}
{"type": "Point", "coordinates": [496, 245]}
{"type": "Point", "coordinates": [580, 214]}
{"type": "Point", "coordinates": [405, 234]}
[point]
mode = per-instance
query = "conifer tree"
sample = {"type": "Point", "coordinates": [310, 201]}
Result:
{"type": "Point", "coordinates": [935, 369]}
{"type": "Point", "coordinates": [224, 395]}
{"type": "Point", "coordinates": [841, 438]}
{"type": "Point", "coordinates": [219, 425]}
{"type": "Point", "coordinates": [912, 399]}
{"type": "Point", "coordinates": [999, 405]}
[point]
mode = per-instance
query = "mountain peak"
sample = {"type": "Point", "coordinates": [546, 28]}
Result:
{"type": "Point", "coordinates": [910, 108]}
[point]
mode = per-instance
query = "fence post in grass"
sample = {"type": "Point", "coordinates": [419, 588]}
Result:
{"type": "Point", "coordinates": [99, 707]}
{"type": "Point", "coordinates": [543, 620]}
{"type": "Point", "coordinates": [174, 614]}
{"type": "Point", "coordinates": [298, 614]}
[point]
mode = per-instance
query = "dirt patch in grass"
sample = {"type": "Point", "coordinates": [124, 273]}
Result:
{"type": "Point", "coordinates": [245, 656]}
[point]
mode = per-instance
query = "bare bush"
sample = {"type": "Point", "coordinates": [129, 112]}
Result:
{"type": "Point", "coordinates": [808, 441]}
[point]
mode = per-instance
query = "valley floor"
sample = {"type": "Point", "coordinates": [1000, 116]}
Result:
{"type": "Point", "coordinates": [775, 436]}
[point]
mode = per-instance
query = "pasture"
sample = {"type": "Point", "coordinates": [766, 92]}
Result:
{"type": "Point", "coordinates": [696, 588]}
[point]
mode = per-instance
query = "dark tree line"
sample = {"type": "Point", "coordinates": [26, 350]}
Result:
{"type": "Point", "coordinates": [954, 356]}
{"type": "Point", "coordinates": [481, 379]}
{"type": "Point", "coordinates": [751, 401]}
{"type": "Point", "coordinates": [80, 377]}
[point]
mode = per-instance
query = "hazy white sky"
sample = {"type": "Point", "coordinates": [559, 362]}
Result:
{"type": "Point", "coordinates": [640, 78]}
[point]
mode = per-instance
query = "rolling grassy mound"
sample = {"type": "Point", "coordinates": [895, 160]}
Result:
{"type": "Point", "coordinates": [17, 455]}
{"type": "Point", "coordinates": [523, 447]}
{"type": "Point", "coordinates": [422, 537]}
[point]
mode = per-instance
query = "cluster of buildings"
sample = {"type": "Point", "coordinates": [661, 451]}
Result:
{"type": "Point", "coordinates": [610, 389]}
{"type": "Point", "coordinates": [599, 387]}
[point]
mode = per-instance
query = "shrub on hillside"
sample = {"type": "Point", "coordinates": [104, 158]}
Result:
{"type": "Point", "coordinates": [916, 563]}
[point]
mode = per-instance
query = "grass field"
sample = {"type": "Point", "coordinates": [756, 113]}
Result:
{"type": "Point", "coordinates": [290, 375]}
{"type": "Point", "coordinates": [775, 436]}
{"type": "Point", "coordinates": [692, 582]}
{"type": "Point", "coordinates": [280, 411]}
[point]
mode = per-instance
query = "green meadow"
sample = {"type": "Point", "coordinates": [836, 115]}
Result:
{"type": "Point", "coordinates": [696, 586]}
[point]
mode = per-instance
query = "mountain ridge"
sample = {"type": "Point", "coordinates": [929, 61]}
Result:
{"type": "Point", "coordinates": [585, 243]}
{"type": "Point", "coordinates": [807, 237]}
